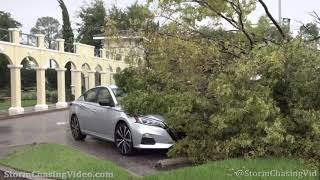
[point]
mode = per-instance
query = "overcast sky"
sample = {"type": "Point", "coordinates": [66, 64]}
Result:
{"type": "Point", "coordinates": [28, 11]}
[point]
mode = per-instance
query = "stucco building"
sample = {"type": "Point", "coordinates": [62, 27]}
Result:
{"type": "Point", "coordinates": [85, 65]}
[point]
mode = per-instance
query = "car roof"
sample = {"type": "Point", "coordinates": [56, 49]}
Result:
{"type": "Point", "coordinates": [109, 86]}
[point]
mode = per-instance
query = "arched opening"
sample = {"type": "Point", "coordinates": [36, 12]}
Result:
{"type": "Point", "coordinates": [85, 77]}
{"type": "Point", "coordinates": [5, 91]}
{"type": "Point", "coordinates": [98, 71]}
{"type": "Point", "coordinates": [139, 61]}
{"type": "Point", "coordinates": [51, 82]}
{"type": "Point", "coordinates": [118, 70]}
{"type": "Point", "coordinates": [28, 82]}
{"type": "Point", "coordinates": [69, 85]}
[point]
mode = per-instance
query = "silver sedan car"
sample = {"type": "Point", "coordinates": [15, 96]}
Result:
{"type": "Point", "coordinates": [97, 113]}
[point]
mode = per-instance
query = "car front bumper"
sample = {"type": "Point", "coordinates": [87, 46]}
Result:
{"type": "Point", "coordinates": [157, 138]}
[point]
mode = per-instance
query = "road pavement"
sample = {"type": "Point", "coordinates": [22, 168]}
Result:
{"type": "Point", "coordinates": [53, 128]}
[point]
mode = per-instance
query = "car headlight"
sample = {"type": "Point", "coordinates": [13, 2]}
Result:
{"type": "Point", "coordinates": [150, 122]}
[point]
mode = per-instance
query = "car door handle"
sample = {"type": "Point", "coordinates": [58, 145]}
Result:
{"type": "Point", "coordinates": [88, 109]}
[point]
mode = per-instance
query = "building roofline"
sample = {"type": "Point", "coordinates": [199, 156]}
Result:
{"type": "Point", "coordinates": [119, 37]}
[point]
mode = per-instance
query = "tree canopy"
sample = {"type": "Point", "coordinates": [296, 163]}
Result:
{"type": "Point", "coordinates": [6, 22]}
{"type": "Point", "coordinates": [67, 33]}
{"type": "Point", "coordinates": [135, 18]}
{"type": "Point", "coordinates": [48, 26]}
{"type": "Point", "coordinates": [92, 22]}
{"type": "Point", "coordinates": [309, 31]}
{"type": "Point", "coordinates": [246, 92]}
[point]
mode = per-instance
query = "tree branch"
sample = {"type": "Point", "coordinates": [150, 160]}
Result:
{"type": "Point", "coordinates": [272, 19]}
{"type": "Point", "coordinates": [315, 16]}
{"type": "Point", "coordinates": [185, 26]}
{"type": "Point", "coordinates": [229, 20]}
{"type": "Point", "coordinates": [238, 25]}
{"type": "Point", "coordinates": [240, 16]}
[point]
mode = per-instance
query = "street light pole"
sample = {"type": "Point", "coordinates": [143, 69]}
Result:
{"type": "Point", "coordinates": [280, 11]}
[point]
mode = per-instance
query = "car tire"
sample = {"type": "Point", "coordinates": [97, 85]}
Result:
{"type": "Point", "coordinates": [123, 139]}
{"type": "Point", "coordinates": [75, 129]}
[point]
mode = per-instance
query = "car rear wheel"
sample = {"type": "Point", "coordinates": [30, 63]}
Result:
{"type": "Point", "coordinates": [123, 139]}
{"type": "Point", "coordinates": [75, 129]}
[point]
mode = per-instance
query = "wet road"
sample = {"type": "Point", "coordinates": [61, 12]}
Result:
{"type": "Point", "coordinates": [53, 128]}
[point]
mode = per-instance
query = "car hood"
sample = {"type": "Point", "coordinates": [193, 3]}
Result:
{"type": "Point", "coordinates": [152, 116]}
{"type": "Point", "coordinates": [156, 117]}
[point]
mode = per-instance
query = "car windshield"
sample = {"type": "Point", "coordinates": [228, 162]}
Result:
{"type": "Point", "coordinates": [118, 93]}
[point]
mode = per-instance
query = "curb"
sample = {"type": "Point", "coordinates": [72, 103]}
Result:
{"type": "Point", "coordinates": [32, 113]}
{"type": "Point", "coordinates": [173, 163]}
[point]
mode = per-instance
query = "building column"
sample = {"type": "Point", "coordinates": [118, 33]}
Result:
{"type": "Point", "coordinates": [92, 79]}
{"type": "Point", "coordinates": [60, 46]}
{"type": "Point", "coordinates": [15, 80]}
{"type": "Point", "coordinates": [40, 40]}
{"type": "Point", "coordinates": [76, 83]}
{"type": "Point", "coordinates": [104, 78]}
{"type": "Point", "coordinates": [112, 82]}
{"type": "Point", "coordinates": [103, 53]}
{"type": "Point", "coordinates": [72, 82]}
{"type": "Point", "coordinates": [123, 57]}
{"type": "Point", "coordinates": [41, 89]}
{"type": "Point", "coordinates": [85, 82]}
{"type": "Point", "coordinates": [108, 76]}
{"type": "Point", "coordinates": [14, 35]}
{"type": "Point", "coordinates": [61, 88]}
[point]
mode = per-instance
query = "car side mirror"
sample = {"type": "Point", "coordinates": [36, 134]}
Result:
{"type": "Point", "coordinates": [107, 102]}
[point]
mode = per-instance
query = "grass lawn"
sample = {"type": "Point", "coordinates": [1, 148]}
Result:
{"type": "Point", "coordinates": [226, 170]}
{"type": "Point", "coordinates": [5, 105]}
{"type": "Point", "coordinates": [46, 158]}
{"type": "Point", "coordinates": [59, 158]}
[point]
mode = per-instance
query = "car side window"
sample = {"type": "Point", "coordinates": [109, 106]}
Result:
{"type": "Point", "coordinates": [91, 96]}
{"type": "Point", "coordinates": [104, 95]}
{"type": "Point", "coordinates": [81, 98]}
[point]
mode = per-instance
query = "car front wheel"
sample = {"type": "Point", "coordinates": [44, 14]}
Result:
{"type": "Point", "coordinates": [123, 139]}
{"type": "Point", "coordinates": [75, 129]}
